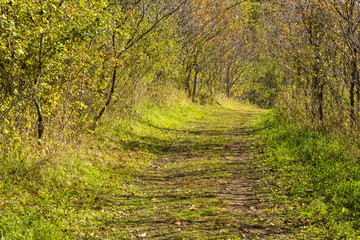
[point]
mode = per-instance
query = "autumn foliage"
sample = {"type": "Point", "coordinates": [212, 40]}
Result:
{"type": "Point", "coordinates": [65, 64]}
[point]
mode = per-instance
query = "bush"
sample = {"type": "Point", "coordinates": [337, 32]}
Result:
{"type": "Point", "coordinates": [319, 172]}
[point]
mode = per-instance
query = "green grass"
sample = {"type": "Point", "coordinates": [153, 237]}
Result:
{"type": "Point", "coordinates": [66, 195]}
{"type": "Point", "coordinates": [316, 178]}
{"type": "Point", "coordinates": [154, 175]}
{"type": "Point", "coordinates": [90, 190]}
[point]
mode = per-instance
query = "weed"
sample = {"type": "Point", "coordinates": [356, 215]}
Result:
{"type": "Point", "coordinates": [73, 194]}
{"type": "Point", "coordinates": [315, 171]}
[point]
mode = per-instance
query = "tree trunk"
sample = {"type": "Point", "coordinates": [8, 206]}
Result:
{"type": "Point", "coordinates": [187, 83]}
{"type": "Point", "coordinates": [353, 83]}
{"type": "Point", "coordinates": [195, 86]}
{"type": "Point", "coordinates": [41, 126]}
{"type": "Point", "coordinates": [113, 82]}
{"type": "Point", "coordinates": [321, 102]}
{"type": "Point", "coordinates": [228, 88]}
{"type": "Point", "coordinates": [317, 91]}
{"type": "Point", "coordinates": [112, 89]}
{"type": "Point", "coordinates": [352, 103]}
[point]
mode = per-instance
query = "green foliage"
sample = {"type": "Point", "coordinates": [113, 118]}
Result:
{"type": "Point", "coordinates": [261, 83]}
{"type": "Point", "coordinates": [317, 172]}
{"type": "Point", "coordinates": [316, 46]}
{"type": "Point", "coordinates": [63, 64]}
{"type": "Point", "coordinates": [62, 56]}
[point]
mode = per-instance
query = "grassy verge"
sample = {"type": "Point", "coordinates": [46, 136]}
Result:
{"type": "Point", "coordinates": [315, 179]}
{"type": "Point", "coordinates": [73, 193]}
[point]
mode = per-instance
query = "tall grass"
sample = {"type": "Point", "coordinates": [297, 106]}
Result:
{"type": "Point", "coordinates": [316, 171]}
{"type": "Point", "coordinates": [47, 194]}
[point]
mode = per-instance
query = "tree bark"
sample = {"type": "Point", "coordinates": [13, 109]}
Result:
{"type": "Point", "coordinates": [112, 89]}
{"type": "Point", "coordinates": [353, 83]}
{"type": "Point", "coordinates": [195, 86]}
{"type": "Point", "coordinates": [41, 126]}
{"type": "Point", "coordinates": [187, 83]}
{"type": "Point", "coordinates": [108, 101]}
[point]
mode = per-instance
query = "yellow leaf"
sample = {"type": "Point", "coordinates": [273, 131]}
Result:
{"type": "Point", "coordinates": [193, 208]}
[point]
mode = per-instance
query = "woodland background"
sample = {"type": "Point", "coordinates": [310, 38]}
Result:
{"type": "Point", "coordinates": [66, 64]}
{"type": "Point", "coordinates": [71, 70]}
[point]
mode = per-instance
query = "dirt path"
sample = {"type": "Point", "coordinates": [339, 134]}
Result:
{"type": "Point", "coordinates": [205, 185]}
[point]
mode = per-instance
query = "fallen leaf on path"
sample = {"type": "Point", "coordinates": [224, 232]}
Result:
{"type": "Point", "coordinates": [142, 235]}
{"type": "Point", "coordinates": [185, 183]}
{"type": "Point", "coordinates": [184, 197]}
{"type": "Point", "coordinates": [193, 208]}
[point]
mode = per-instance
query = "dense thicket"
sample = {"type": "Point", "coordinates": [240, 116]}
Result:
{"type": "Point", "coordinates": [317, 45]}
{"type": "Point", "coordinates": [66, 64]}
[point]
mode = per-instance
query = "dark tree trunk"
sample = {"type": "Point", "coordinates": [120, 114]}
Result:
{"type": "Point", "coordinates": [353, 83]}
{"type": "Point", "coordinates": [321, 102]}
{"type": "Point", "coordinates": [228, 88]}
{"type": "Point", "coordinates": [41, 126]}
{"type": "Point", "coordinates": [108, 101]}
{"type": "Point", "coordinates": [112, 89]}
{"type": "Point", "coordinates": [195, 86]}
{"type": "Point", "coordinates": [187, 83]}
{"type": "Point", "coordinates": [352, 103]}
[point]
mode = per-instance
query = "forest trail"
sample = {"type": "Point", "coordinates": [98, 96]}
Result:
{"type": "Point", "coordinates": [205, 185]}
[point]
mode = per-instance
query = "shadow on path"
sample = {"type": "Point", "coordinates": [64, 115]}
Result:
{"type": "Point", "coordinates": [205, 185]}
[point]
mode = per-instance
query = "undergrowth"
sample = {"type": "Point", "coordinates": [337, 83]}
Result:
{"type": "Point", "coordinates": [65, 195]}
{"type": "Point", "coordinates": [315, 177]}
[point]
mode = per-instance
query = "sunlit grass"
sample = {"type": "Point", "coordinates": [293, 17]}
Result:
{"type": "Point", "coordinates": [54, 198]}
{"type": "Point", "coordinates": [317, 173]}
{"type": "Point", "coordinates": [92, 189]}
